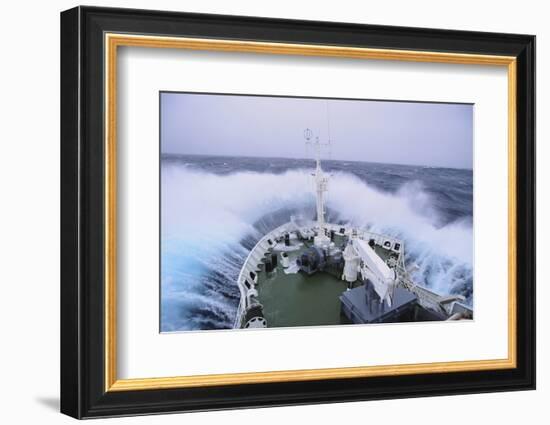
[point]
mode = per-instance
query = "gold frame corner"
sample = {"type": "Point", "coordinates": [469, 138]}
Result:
{"type": "Point", "coordinates": [113, 40]}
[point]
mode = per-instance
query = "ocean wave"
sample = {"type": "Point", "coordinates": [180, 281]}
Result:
{"type": "Point", "coordinates": [210, 221]}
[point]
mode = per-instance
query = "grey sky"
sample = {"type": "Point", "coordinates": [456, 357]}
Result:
{"type": "Point", "coordinates": [373, 131]}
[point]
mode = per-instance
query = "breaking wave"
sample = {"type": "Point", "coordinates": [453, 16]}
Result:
{"type": "Point", "coordinates": [210, 222]}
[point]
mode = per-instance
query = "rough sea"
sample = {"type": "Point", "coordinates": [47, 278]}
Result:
{"type": "Point", "coordinates": [215, 209]}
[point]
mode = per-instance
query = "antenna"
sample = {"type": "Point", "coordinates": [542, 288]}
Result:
{"type": "Point", "coordinates": [316, 144]}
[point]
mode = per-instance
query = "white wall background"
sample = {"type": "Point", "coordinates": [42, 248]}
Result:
{"type": "Point", "coordinates": [29, 217]}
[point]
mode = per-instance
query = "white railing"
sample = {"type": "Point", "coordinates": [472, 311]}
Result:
{"type": "Point", "coordinates": [251, 263]}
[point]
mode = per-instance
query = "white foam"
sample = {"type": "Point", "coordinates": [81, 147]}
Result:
{"type": "Point", "coordinates": [208, 215]}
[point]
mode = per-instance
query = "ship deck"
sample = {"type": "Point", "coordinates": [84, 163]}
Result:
{"type": "Point", "coordinates": [294, 298]}
{"type": "Point", "coordinates": [289, 299]}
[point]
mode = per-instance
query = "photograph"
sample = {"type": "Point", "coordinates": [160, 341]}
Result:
{"type": "Point", "coordinates": [293, 211]}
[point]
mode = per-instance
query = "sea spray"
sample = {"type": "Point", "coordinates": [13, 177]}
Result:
{"type": "Point", "coordinates": [212, 214]}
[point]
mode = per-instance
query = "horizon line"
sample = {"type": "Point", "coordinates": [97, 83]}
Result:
{"type": "Point", "coordinates": [312, 159]}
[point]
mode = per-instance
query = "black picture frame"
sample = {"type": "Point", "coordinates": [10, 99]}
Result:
{"type": "Point", "coordinates": [83, 392]}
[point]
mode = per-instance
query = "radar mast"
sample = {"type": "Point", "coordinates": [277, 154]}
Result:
{"type": "Point", "coordinates": [321, 186]}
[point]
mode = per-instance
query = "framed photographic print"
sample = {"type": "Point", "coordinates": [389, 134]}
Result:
{"type": "Point", "coordinates": [261, 212]}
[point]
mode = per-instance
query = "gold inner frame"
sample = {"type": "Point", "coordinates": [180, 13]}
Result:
{"type": "Point", "coordinates": [113, 41]}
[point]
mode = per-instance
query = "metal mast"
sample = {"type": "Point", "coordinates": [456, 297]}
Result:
{"type": "Point", "coordinates": [321, 186]}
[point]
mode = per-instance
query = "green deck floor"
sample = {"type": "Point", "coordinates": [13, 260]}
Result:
{"type": "Point", "coordinates": [300, 300]}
